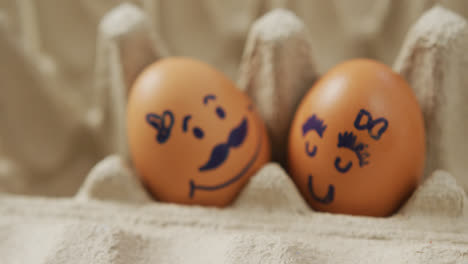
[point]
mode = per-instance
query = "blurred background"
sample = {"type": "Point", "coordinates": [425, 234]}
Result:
{"type": "Point", "coordinates": [215, 31]}
{"type": "Point", "coordinates": [48, 55]}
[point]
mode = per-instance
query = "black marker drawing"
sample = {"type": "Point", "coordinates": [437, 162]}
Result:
{"type": "Point", "coordinates": [220, 152]}
{"type": "Point", "coordinates": [198, 132]}
{"type": "Point", "coordinates": [370, 124]}
{"type": "Point", "coordinates": [349, 140]}
{"type": "Point", "coordinates": [313, 124]}
{"type": "Point", "coordinates": [185, 122]}
{"type": "Point", "coordinates": [242, 172]}
{"type": "Point", "coordinates": [220, 112]}
{"type": "Point", "coordinates": [340, 168]}
{"type": "Point", "coordinates": [310, 153]}
{"type": "Point", "coordinates": [208, 97]}
{"type": "Point", "coordinates": [163, 125]}
{"type": "Point", "coordinates": [328, 198]}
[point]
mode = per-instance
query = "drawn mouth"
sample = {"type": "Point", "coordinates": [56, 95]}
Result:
{"type": "Point", "coordinates": [328, 198]}
{"type": "Point", "coordinates": [220, 152]}
{"type": "Point", "coordinates": [194, 187]}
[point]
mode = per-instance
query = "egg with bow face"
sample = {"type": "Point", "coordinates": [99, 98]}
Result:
{"type": "Point", "coordinates": [357, 141]}
{"type": "Point", "coordinates": [194, 137]}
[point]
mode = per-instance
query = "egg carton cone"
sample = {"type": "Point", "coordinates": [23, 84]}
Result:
{"type": "Point", "coordinates": [107, 215]}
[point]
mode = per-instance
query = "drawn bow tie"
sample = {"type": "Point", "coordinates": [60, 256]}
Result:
{"type": "Point", "coordinates": [163, 125]}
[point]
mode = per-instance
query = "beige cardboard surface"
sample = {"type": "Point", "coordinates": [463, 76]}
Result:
{"type": "Point", "coordinates": [65, 67]}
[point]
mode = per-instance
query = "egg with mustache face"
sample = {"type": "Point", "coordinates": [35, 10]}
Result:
{"type": "Point", "coordinates": [194, 137]}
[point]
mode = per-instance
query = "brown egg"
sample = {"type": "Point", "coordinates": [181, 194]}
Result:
{"type": "Point", "coordinates": [194, 137]}
{"type": "Point", "coordinates": [357, 142]}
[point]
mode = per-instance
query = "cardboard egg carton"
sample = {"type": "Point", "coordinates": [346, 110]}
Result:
{"type": "Point", "coordinates": [112, 219]}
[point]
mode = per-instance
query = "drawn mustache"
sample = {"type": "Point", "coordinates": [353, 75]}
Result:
{"type": "Point", "coordinates": [220, 152]}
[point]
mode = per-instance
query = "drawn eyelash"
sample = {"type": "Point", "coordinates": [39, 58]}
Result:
{"type": "Point", "coordinates": [314, 123]}
{"type": "Point", "coordinates": [348, 140]}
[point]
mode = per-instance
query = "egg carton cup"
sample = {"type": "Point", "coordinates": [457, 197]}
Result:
{"type": "Point", "coordinates": [112, 219]}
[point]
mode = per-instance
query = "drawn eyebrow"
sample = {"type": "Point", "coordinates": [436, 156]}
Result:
{"type": "Point", "coordinates": [208, 97]}
{"type": "Point", "coordinates": [185, 122]}
{"type": "Point", "coordinates": [348, 140]}
{"type": "Point", "coordinates": [314, 123]}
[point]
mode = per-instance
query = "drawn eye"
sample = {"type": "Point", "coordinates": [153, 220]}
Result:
{"type": "Point", "coordinates": [198, 133]}
{"type": "Point", "coordinates": [220, 112]}
{"type": "Point", "coordinates": [349, 140]}
{"type": "Point", "coordinates": [340, 168]}
{"type": "Point", "coordinates": [310, 152]}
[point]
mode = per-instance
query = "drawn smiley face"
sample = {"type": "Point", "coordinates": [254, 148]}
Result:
{"type": "Point", "coordinates": [347, 140]}
{"type": "Point", "coordinates": [220, 152]}
{"type": "Point", "coordinates": [200, 145]}
{"type": "Point", "coordinates": [335, 165]}
{"type": "Point", "coordinates": [357, 143]}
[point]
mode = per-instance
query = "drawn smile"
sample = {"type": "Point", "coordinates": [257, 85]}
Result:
{"type": "Point", "coordinates": [241, 130]}
{"type": "Point", "coordinates": [328, 198]}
